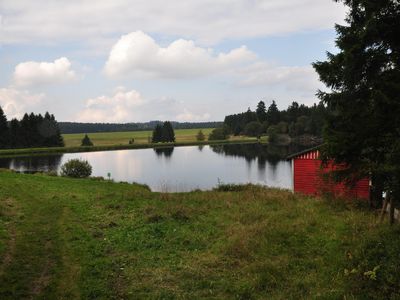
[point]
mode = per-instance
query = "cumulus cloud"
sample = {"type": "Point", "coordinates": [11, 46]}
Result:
{"type": "Point", "coordinates": [206, 21]}
{"type": "Point", "coordinates": [39, 73]}
{"type": "Point", "coordinates": [16, 102]}
{"type": "Point", "coordinates": [121, 107]}
{"type": "Point", "coordinates": [137, 53]}
{"type": "Point", "coordinates": [130, 106]}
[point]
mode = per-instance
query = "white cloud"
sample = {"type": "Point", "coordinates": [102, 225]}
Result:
{"type": "Point", "coordinates": [130, 106]}
{"type": "Point", "coordinates": [39, 73]}
{"type": "Point", "coordinates": [15, 102]}
{"type": "Point", "coordinates": [121, 107]}
{"type": "Point", "coordinates": [138, 54]}
{"type": "Point", "coordinates": [302, 78]}
{"type": "Point", "coordinates": [188, 116]}
{"type": "Point", "coordinates": [205, 21]}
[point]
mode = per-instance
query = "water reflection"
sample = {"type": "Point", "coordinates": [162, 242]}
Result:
{"type": "Point", "coordinates": [177, 169]}
{"type": "Point", "coordinates": [166, 152]}
{"type": "Point", "coordinates": [32, 163]}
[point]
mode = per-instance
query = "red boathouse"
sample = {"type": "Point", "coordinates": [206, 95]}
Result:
{"type": "Point", "coordinates": [308, 178]}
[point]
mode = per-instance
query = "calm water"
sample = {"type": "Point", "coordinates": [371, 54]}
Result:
{"type": "Point", "coordinates": [177, 169]}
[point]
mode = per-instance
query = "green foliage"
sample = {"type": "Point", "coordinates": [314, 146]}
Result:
{"type": "Point", "coordinates": [4, 138]}
{"type": "Point", "coordinates": [163, 133]}
{"type": "Point", "coordinates": [261, 112]}
{"type": "Point", "coordinates": [31, 131]}
{"type": "Point", "coordinates": [272, 133]}
{"type": "Point", "coordinates": [76, 168]}
{"type": "Point", "coordinates": [86, 141]}
{"type": "Point", "coordinates": [218, 134]}
{"type": "Point", "coordinates": [200, 136]}
{"type": "Point", "coordinates": [287, 120]}
{"type": "Point", "coordinates": [273, 116]}
{"type": "Point", "coordinates": [253, 129]}
{"type": "Point", "coordinates": [363, 79]}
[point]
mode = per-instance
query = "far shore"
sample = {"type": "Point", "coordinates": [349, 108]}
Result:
{"type": "Point", "coordinates": [76, 149]}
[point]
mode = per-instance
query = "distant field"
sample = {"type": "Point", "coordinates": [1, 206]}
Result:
{"type": "Point", "coordinates": [140, 137]}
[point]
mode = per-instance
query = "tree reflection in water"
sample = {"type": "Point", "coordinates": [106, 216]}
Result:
{"type": "Point", "coordinates": [29, 164]}
{"type": "Point", "coordinates": [166, 152]}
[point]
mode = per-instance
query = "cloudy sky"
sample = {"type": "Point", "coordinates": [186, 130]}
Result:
{"type": "Point", "coordinates": [133, 61]}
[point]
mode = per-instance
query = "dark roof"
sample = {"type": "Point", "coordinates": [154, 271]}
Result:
{"type": "Point", "coordinates": [303, 152]}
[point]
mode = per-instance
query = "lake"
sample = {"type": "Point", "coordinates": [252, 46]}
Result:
{"type": "Point", "coordinates": [178, 169]}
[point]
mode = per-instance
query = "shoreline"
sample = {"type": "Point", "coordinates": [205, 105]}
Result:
{"type": "Point", "coordinates": [56, 150]}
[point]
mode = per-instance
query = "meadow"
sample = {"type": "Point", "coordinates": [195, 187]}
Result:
{"type": "Point", "coordinates": [140, 137]}
{"type": "Point", "coordinates": [66, 238]}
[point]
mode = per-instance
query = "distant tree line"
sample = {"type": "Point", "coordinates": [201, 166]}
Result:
{"type": "Point", "coordinates": [72, 127]}
{"type": "Point", "coordinates": [296, 120]}
{"type": "Point", "coordinates": [31, 131]}
{"type": "Point", "coordinates": [163, 133]}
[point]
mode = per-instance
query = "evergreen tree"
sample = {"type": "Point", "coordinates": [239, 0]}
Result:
{"type": "Point", "coordinates": [273, 113]}
{"type": "Point", "coordinates": [157, 134]}
{"type": "Point", "coordinates": [86, 141]}
{"type": "Point", "coordinates": [261, 112]}
{"type": "Point", "coordinates": [363, 123]}
{"type": "Point", "coordinates": [168, 134]}
{"type": "Point", "coordinates": [4, 132]}
{"type": "Point", "coordinates": [200, 136]}
{"type": "Point", "coordinates": [15, 139]}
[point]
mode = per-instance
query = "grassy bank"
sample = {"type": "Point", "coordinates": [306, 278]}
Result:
{"type": "Point", "coordinates": [121, 138]}
{"type": "Point", "coordinates": [86, 239]}
{"type": "Point", "coordinates": [107, 141]}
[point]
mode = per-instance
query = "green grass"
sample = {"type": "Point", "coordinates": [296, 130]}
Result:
{"type": "Point", "coordinates": [118, 138]}
{"type": "Point", "coordinates": [87, 239]}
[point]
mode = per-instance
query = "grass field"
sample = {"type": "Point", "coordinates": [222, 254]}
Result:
{"type": "Point", "coordinates": [88, 239]}
{"type": "Point", "coordinates": [140, 137]}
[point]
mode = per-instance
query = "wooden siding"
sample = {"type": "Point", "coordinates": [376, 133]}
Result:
{"type": "Point", "coordinates": [308, 179]}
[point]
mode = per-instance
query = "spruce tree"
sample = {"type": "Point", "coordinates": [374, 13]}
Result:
{"type": "Point", "coordinates": [4, 132]}
{"type": "Point", "coordinates": [157, 134]}
{"type": "Point", "coordinates": [363, 125]}
{"type": "Point", "coordinates": [86, 141]}
{"type": "Point", "coordinates": [168, 134]}
{"type": "Point", "coordinates": [273, 114]}
{"type": "Point", "coordinates": [261, 112]}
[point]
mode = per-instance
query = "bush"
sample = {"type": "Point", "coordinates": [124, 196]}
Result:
{"type": "Point", "coordinates": [200, 136]}
{"type": "Point", "coordinates": [218, 134]}
{"type": "Point", "coordinates": [86, 141]}
{"type": "Point", "coordinates": [76, 168]}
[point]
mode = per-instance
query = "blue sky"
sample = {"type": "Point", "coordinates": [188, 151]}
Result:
{"type": "Point", "coordinates": [133, 61]}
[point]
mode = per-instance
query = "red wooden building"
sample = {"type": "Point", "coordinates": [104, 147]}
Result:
{"type": "Point", "coordinates": [308, 178]}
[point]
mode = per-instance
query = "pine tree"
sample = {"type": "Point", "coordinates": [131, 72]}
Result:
{"type": "Point", "coordinates": [261, 112]}
{"type": "Point", "coordinates": [273, 114]}
{"type": "Point", "coordinates": [168, 134]}
{"type": "Point", "coordinates": [363, 125]}
{"type": "Point", "coordinates": [86, 141]}
{"type": "Point", "coordinates": [4, 132]}
{"type": "Point", "coordinates": [157, 134]}
{"type": "Point", "coordinates": [200, 136]}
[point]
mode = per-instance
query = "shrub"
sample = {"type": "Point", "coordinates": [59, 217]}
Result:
{"type": "Point", "coordinates": [200, 136]}
{"type": "Point", "coordinates": [76, 168]}
{"type": "Point", "coordinates": [218, 134]}
{"type": "Point", "coordinates": [86, 141]}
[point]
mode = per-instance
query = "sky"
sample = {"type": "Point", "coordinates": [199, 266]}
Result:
{"type": "Point", "coordinates": [134, 61]}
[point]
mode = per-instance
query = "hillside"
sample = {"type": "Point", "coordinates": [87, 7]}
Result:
{"type": "Point", "coordinates": [90, 239]}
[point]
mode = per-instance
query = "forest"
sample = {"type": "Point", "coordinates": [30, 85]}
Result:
{"type": "Point", "coordinates": [296, 120]}
{"type": "Point", "coordinates": [31, 131]}
{"type": "Point", "coordinates": [74, 127]}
